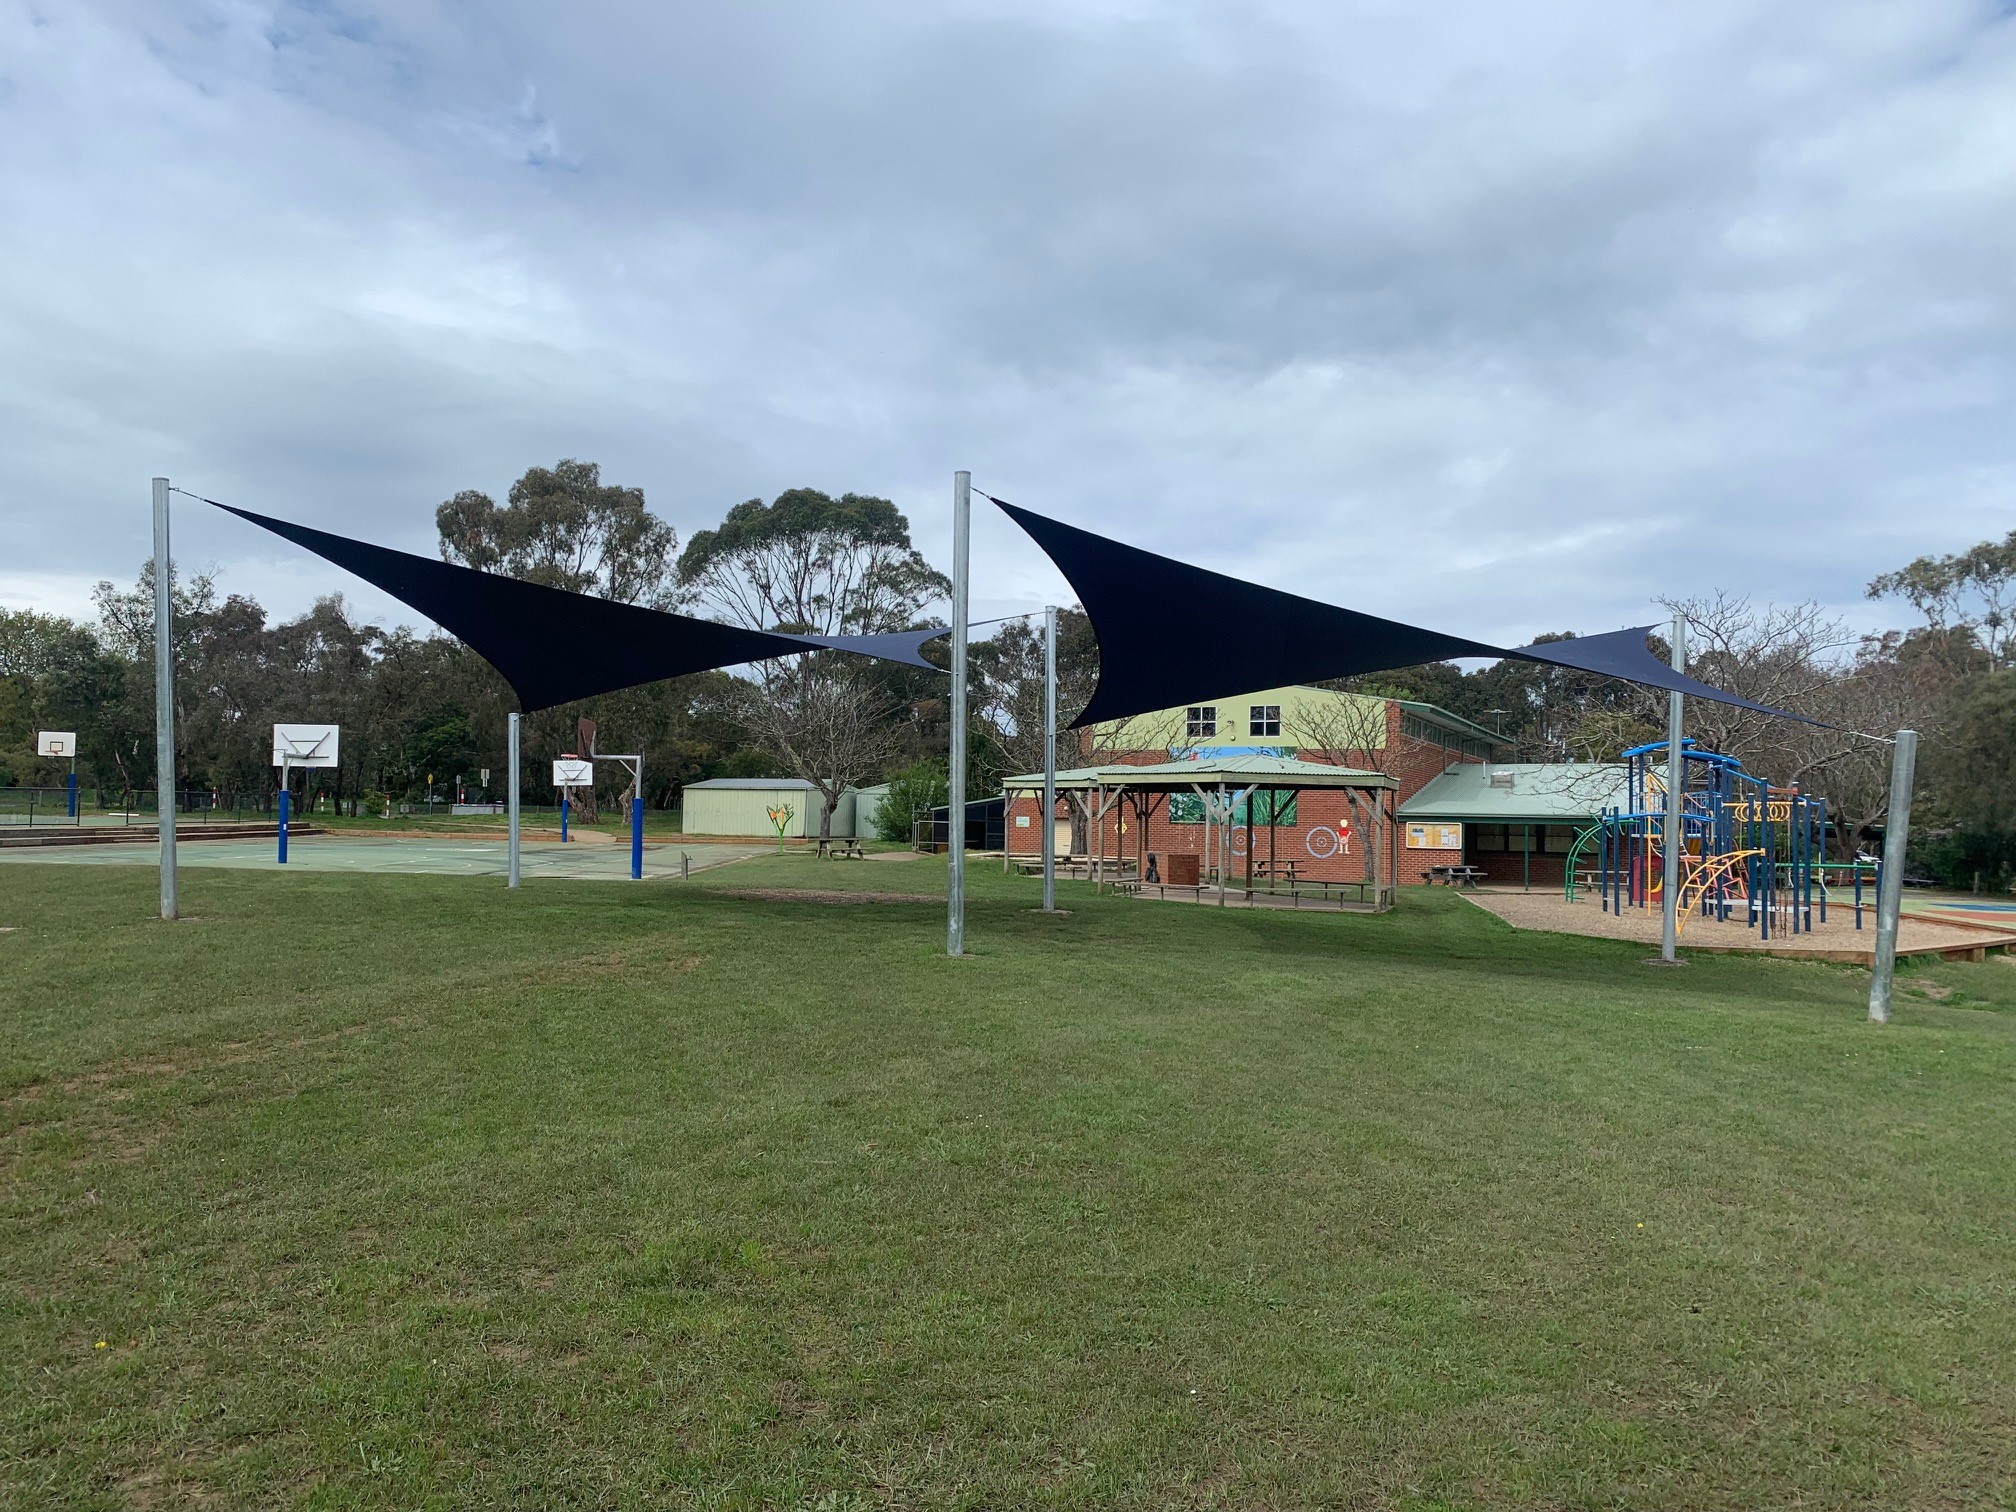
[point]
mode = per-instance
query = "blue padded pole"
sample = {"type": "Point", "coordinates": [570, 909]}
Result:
{"type": "Point", "coordinates": [637, 839]}
{"type": "Point", "coordinates": [563, 817]}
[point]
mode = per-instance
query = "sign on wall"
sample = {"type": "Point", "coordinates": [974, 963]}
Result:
{"type": "Point", "coordinates": [1435, 837]}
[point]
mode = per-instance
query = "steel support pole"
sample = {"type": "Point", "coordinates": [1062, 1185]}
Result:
{"type": "Point", "coordinates": [1050, 759]}
{"type": "Point", "coordinates": [955, 777]}
{"type": "Point", "coordinates": [164, 699]}
{"type": "Point", "coordinates": [1676, 780]}
{"type": "Point", "coordinates": [1890, 889]}
{"type": "Point", "coordinates": [511, 804]}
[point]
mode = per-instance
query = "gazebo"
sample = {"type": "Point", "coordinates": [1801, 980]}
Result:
{"type": "Point", "coordinates": [1226, 789]}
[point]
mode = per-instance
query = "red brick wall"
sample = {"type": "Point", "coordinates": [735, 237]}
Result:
{"type": "Point", "coordinates": [1324, 808]}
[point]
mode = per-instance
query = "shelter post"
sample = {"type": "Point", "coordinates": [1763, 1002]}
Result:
{"type": "Point", "coordinates": [164, 700]}
{"type": "Point", "coordinates": [1890, 887]}
{"type": "Point", "coordinates": [1676, 770]}
{"type": "Point", "coordinates": [955, 781]}
{"type": "Point", "coordinates": [511, 803]}
{"type": "Point", "coordinates": [1049, 759]}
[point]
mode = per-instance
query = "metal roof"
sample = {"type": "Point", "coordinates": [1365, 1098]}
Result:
{"type": "Point", "coordinates": [1540, 792]}
{"type": "Point", "coordinates": [759, 784]}
{"type": "Point", "coordinates": [1455, 724]}
{"type": "Point", "coordinates": [1233, 771]}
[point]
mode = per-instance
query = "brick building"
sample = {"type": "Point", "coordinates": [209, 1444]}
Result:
{"type": "Point", "coordinates": [1446, 801]}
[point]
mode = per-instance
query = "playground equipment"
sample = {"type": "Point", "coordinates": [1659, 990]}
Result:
{"type": "Point", "coordinates": [1750, 850]}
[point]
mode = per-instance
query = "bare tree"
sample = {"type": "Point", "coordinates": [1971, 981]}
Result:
{"type": "Point", "coordinates": [1008, 685]}
{"type": "Point", "coordinates": [1350, 730]}
{"type": "Point", "coordinates": [829, 720]}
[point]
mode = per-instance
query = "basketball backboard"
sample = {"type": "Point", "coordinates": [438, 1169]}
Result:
{"type": "Point", "coordinates": [56, 743]}
{"type": "Point", "coordinates": [572, 771]}
{"type": "Point", "coordinates": [304, 745]}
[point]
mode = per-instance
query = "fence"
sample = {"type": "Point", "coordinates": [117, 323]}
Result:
{"type": "Point", "coordinates": [101, 806]}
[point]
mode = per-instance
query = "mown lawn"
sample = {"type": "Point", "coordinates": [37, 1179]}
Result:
{"type": "Point", "coordinates": [409, 1192]}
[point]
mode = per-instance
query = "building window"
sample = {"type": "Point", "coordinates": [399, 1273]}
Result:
{"type": "Point", "coordinates": [1264, 719]}
{"type": "Point", "coordinates": [1200, 720]}
{"type": "Point", "coordinates": [1512, 839]}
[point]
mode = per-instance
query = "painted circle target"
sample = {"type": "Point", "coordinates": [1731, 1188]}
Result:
{"type": "Point", "coordinates": [1242, 839]}
{"type": "Point", "coordinates": [1328, 846]}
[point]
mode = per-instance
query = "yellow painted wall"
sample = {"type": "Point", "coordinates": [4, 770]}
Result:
{"type": "Point", "coordinates": [1305, 713]}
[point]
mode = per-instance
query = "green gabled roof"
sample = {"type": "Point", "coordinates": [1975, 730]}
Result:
{"type": "Point", "coordinates": [1237, 771]}
{"type": "Point", "coordinates": [1538, 792]}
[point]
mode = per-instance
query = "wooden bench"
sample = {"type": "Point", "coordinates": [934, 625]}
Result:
{"type": "Point", "coordinates": [839, 849]}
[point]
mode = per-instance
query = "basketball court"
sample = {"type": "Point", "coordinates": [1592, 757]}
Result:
{"type": "Point", "coordinates": [445, 857]}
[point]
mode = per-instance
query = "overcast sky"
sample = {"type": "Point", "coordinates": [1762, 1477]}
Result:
{"type": "Point", "coordinates": [1505, 318]}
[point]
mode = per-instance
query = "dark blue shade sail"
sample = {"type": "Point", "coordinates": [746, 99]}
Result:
{"type": "Point", "coordinates": [1171, 634]}
{"type": "Point", "coordinates": [553, 646]}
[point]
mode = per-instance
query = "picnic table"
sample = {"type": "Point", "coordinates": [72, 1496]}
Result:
{"type": "Point", "coordinates": [839, 848]}
{"type": "Point", "coordinates": [1283, 869]}
{"type": "Point", "coordinates": [1454, 876]}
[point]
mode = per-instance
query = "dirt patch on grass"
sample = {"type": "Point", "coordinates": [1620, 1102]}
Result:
{"type": "Point", "coordinates": [822, 895]}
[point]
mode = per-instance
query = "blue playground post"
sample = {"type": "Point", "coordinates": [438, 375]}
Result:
{"type": "Point", "coordinates": [284, 796]}
{"type": "Point", "coordinates": [637, 839]}
{"type": "Point", "coordinates": [563, 818]}
{"type": "Point", "coordinates": [73, 787]}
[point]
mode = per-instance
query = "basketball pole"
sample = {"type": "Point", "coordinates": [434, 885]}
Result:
{"type": "Point", "coordinates": [164, 701]}
{"type": "Point", "coordinates": [1890, 891]}
{"type": "Point", "coordinates": [1049, 759]}
{"type": "Point", "coordinates": [637, 821]}
{"type": "Point", "coordinates": [955, 777]}
{"type": "Point", "coordinates": [1676, 779]}
{"type": "Point", "coordinates": [286, 798]}
{"type": "Point", "coordinates": [511, 806]}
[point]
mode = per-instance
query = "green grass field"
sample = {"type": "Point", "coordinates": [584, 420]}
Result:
{"type": "Point", "coordinates": [409, 1192]}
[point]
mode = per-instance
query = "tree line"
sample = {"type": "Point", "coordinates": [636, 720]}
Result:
{"type": "Point", "coordinates": [421, 711]}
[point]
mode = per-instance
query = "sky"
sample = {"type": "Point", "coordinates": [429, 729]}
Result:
{"type": "Point", "coordinates": [1505, 319]}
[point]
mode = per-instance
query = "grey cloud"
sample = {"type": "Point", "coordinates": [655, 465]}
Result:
{"type": "Point", "coordinates": [1544, 309]}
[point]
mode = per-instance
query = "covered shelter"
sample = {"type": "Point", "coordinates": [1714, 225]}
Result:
{"type": "Point", "coordinates": [1516, 823]}
{"type": "Point", "coordinates": [1234, 820]}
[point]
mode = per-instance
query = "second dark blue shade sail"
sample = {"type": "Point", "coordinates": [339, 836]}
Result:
{"type": "Point", "coordinates": [553, 646]}
{"type": "Point", "coordinates": [1171, 634]}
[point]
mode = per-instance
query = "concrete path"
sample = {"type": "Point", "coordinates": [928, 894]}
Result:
{"type": "Point", "coordinates": [432, 857]}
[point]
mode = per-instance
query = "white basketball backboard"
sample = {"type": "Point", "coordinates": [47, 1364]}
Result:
{"type": "Point", "coordinates": [56, 743]}
{"type": "Point", "coordinates": [304, 745]}
{"type": "Point", "coordinates": [572, 771]}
